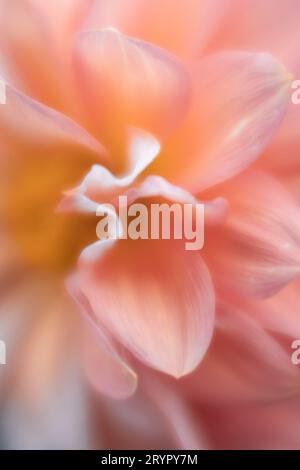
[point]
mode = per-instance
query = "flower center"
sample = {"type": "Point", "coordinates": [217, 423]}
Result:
{"type": "Point", "coordinates": [44, 238]}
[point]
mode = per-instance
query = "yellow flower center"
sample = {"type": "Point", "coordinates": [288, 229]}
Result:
{"type": "Point", "coordinates": [44, 238]}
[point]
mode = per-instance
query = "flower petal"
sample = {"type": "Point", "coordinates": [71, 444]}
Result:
{"type": "Point", "coordinates": [158, 187]}
{"type": "Point", "coordinates": [155, 298]}
{"type": "Point", "coordinates": [60, 424]}
{"type": "Point", "coordinates": [94, 186]}
{"type": "Point", "coordinates": [259, 248]}
{"type": "Point", "coordinates": [107, 372]}
{"type": "Point", "coordinates": [177, 412]}
{"type": "Point", "coordinates": [269, 26]}
{"type": "Point", "coordinates": [27, 125]}
{"type": "Point", "coordinates": [280, 313]}
{"type": "Point", "coordinates": [124, 81]}
{"type": "Point", "coordinates": [35, 41]}
{"type": "Point", "coordinates": [239, 101]}
{"type": "Point", "coordinates": [186, 35]}
{"type": "Point", "coordinates": [100, 185]}
{"type": "Point", "coordinates": [43, 348]}
{"type": "Point", "coordinates": [270, 426]}
{"type": "Point", "coordinates": [244, 363]}
{"type": "Point", "coordinates": [282, 156]}
{"type": "Point", "coordinates": [136, 423]}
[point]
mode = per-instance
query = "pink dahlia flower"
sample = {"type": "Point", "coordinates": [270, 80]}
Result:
{"type": "Point", "coordinates": [142, 343]}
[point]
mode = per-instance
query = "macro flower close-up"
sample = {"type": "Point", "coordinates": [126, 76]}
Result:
{"type": "Point", "coordinates": [150, 224]}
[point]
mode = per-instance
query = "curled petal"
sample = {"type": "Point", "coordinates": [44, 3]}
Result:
{"type": "Point", "coordinates": [100, 185]}
{"type": "Point", "coordinates": [156, 186]}
{"type": "Point", "coordinates": [143, 149]}
{"type": "Point", "coordinates": [152, 187]}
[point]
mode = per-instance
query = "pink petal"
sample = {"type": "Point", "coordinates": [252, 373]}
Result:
{"type": "Point", "coordinates": [125, 81]}
{"type": "Point", "coordinates": [63, 16]}
{"type": "Point", "coordinates": [244, 363]}
{"type": "Point", "coordinates": [271, 426]}
{"type": "Point", "coordinates": [187, 34]}
{"type": "Point", "coordinates": [107, 372]}
{"type": "Point", "coordinates": [136, 423]}
{"type": "Point", "coordinates": [263, 25]}
{"type": "Point", "coordinates": [239, 101]}
{"type": "Point", "coordinates": [280, 313]}
{"type": "Point", "coordinates": [292, 182]}
{"type": "Point", "coordinates": [282, 156]}
{"type": "Point", "coordinates": [178, 414]}
{"type": "Point", "coordinates": [155, 298]}
{"type": "Point", "coordinates": [259, 248]}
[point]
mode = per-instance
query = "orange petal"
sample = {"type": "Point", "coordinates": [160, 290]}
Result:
{"type": "Point", "coordinates": [186, 35]}
{"type": "Point", "coordinates": [27, 125]}
{"type": "Point", "coordinates": [124, 81]}
{"type": "Point", "coordinates": [35, 44]}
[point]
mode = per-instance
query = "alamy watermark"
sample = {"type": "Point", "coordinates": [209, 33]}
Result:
{"type": "Point", "coordinates": [152, 221]}
{"type": "Point", "coordinates": [295, 357]}
{"type": "Point", "coordinates": [296, 94]}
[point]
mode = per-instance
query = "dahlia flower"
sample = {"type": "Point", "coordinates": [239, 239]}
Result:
{"type": "Point", "coordinates": [120, 343]}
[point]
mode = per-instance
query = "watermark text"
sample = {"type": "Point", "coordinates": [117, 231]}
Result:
{"type": "Point", "coordinates": [152, 221]}
{"type": "Point", "coordinates": [295, 357]}
{"type": "Point", "coordinates": [296, 93]}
